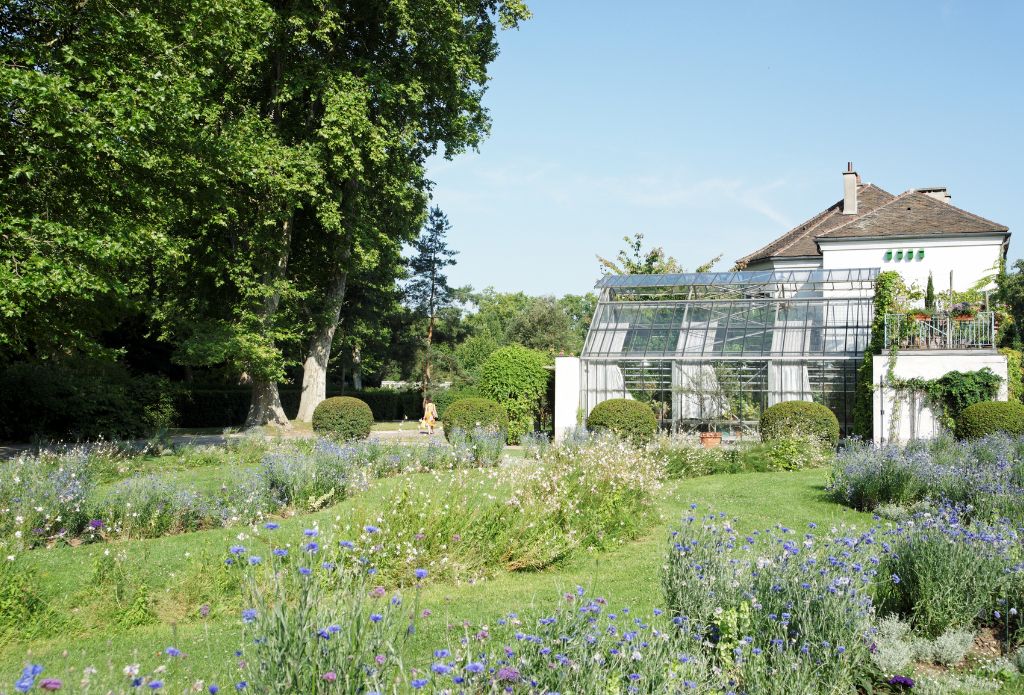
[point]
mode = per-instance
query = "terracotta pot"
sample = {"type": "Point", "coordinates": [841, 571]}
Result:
{"type": "Point", "coordinates": [922, 317]}
{"type": "Point", "coordinates": [710, 440]}
{"type": "Point", "coordinates": [963, 317]}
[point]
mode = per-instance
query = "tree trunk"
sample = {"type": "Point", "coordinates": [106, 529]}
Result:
{"type": "Point", "coordinates": [265, 406]}
{"type": "Point", "coordinates": [314, 368]}
{"type": "Point", "coordinates": [357, 369]}
{"type": "Point", "coordinates": [265, 403]}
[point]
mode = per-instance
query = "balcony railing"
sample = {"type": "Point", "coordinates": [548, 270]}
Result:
{"type": "Point", "coordinates": [940, 332]}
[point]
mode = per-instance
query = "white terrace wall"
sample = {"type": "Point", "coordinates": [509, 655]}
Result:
{"type": "Point", "coordinates": [969, 257]}
{"type": "Point", "coordinates": [567, 394]}
{"type": "Point", "coordinates": [901, 416]}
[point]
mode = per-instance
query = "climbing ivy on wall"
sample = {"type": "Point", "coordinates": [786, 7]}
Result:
{"type": "Point", "coordinates": [889, 287]}
{"type": "Point", "coordinates": [951, 393]}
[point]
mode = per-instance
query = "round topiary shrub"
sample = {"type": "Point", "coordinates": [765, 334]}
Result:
{"type": "Point", "coordinates": [467, 414]}
{"type": "Point", "coordinates": [343, 418]}
{"type": "Point", "coordinates": [627, 418]}
{"type": "Point", "coordinates": [989, 417]}
{"type": "Point", "coordinates": [800, 419]}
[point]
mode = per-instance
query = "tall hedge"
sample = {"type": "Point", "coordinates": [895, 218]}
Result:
{"type": "Point", "coordinates": [82, 398]}
{"type": "Point", "coordinates": [800, 419]}
{"type": "Point", "coordinates": [517, 378]}
{"type": "Point", "coordinates": [1014, 377]}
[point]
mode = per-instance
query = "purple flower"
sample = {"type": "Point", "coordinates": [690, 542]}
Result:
{"type": "Point", "coordinates": [255, 560]}
{"type": "Point", "coordinates": [330, 676]}
{"type": "Point", "coordinates": [376, 617]}
{"type": "Point", "coordinates": [346, 544]}
{"type": "Point", "coordinates": [902, 681]}
{"type": "Point", "coordinates": [418, 683]}
{"type": "Point", "coordinates": [237, 549]}
{"type": "Point", "coordinates": [172, 651]}
{"type": "Point", "coordinates": [204, 610]}
{"type": "Point", "coordinates": [156, 685]}
{"type": "Point", "coordinates": [312, 546]}
{"type": "Point", "coordinates": [421, 573]}
{"type": "Point", "coordinates": [305, 571]}
{"type": "Point", "coordinates": [213, 689]}
{"type": "Point", "coordinates": [475, 667]}
{"type": "Point", "coordinates": [248, 615]}
{"type": "Point", "coordinates": [311, 532]}
{"type": "Point", "coordinates": [51, 684]}
{"type": "Point", "coordinates": [279, 552]}
{"type": "Point", "coordinates": [270, 526]}
{"type": "Point", "coordinates": [96, 524]}
{"type": "Point", "coordinates": [896, 580]}
{"type": "Point", "coordinates": [507, 673]}
{"type": "Point", "coordinates": [374, 529]}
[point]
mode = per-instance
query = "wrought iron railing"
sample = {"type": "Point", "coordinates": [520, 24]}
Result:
{"type": "Point", "coordinates": [941, 332]}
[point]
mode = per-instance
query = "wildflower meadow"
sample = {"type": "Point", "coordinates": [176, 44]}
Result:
{"type": "Point", "coordinates": [592, 566]}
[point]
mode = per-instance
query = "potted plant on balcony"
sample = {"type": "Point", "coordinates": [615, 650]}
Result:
{"type": "Point", "coordinates": [963, 311]}
{"type": "Point", "coordinates": [925, 314]}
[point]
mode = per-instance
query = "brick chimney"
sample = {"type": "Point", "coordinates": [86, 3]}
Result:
{"type": "Point", "coordinates": [850, 182]}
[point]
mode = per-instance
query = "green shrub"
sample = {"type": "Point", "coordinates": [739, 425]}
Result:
{"type": "Point", "coordinates": [989, 417]}
{"type": "Point", "coordinates": [445, 397]}
{"type": "Point", "coordinates": [796, 419]}
{"type": "Point", "coordinates": [517, 378]}
{"type": "Point", "coordinates": [1014, 375]}
{"type": "Point", "coordinates": [467, 414]}
{"type": "Point", "coordinates": [627, 418]}
{"type": "Point", "coordinates": [343, 418]}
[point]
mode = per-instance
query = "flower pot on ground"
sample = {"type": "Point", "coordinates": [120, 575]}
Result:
{"type": "Point", "coordinates": [711, 440]}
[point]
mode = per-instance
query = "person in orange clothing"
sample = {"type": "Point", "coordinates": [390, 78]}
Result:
{"type": "Point", "coordinates": [429, 414]}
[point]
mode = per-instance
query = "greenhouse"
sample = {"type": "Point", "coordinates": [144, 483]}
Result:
{"type": "Point", "coordinates": [713, 350]}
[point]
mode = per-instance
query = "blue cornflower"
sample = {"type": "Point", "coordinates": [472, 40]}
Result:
{"type": "Point", "coordinates": [305, 571]}
{"type": "Point", "coordinates": [376, 617]}
{"type": "Point", "coordinates": [347, 544]}
{"type": "Point", "coordinates": [374, 529]}
{"type": "Point", "coordinates": [270, 526]}
{"type": "Point", "coordinates": [441, 669]}
{"type": "Point", "coordinates": [279, 552]}
{"type": "Point", "coordinates": [312, 546]}
{"type": "Point", "coordinates": [172, 651]}
{"type": "Point", "coordinates": [156, 685]}
{"type": "Point", "coordinates": [28, 678]}
{"type": "Point", "coordinates": [421, 573]}
{"type": "Point", "coordinates": [441, 653]}
{"type": "Point", "coordinates": [327, 565]}
{"type": "Point", "coordinates": [311, 532]}
{"type": "Point", "coordinates": [241, 685]}
{"type": "Point", "coordinates": [248, 615]}
{"type": "Point", "coordinates": [213, 689]}
{"type": "Point", "coordinates": [237, 549]}
{"type": "Point", "coordinates": [418, 683]}
{"type": "Point", "coordinates": [634, 676]}
{"type": "Point", "coordinates": [255, 559]}
{"type": "Point", "coordinates": [475, 667]}
{"type": "Point", "coordinates": [895, 579]}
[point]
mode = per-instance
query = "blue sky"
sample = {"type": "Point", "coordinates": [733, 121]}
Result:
{"type": "Point", "coordinates": [713, 127]}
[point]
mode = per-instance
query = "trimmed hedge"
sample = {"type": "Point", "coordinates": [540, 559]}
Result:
{"type": "Point", "coordinates": [800, 418]}
{"type": "Point", "coordinates": [466, 414]}
{"type": "Point", "coordinates": [627, 418]}
{"type": "Point", "coordinates": [227, 406]}
{"type": "Point", "coordinates": [989, 417]}
{"type": "Point", "coordinates": [343, 418]}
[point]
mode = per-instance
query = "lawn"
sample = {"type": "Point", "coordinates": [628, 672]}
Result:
{"type": "Point", "coordinates": [126, 600]}
{"type": "Point", "coordinates": [176, 570]}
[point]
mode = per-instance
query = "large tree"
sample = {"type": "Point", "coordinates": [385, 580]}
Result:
{"type": "Point", "coordinates": [108, 138]}
{"type": "Point", "coordinates": [428, 290]}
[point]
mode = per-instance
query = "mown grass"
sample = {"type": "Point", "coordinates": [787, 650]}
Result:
{"type": "Point", "coordinates": [183, 572]}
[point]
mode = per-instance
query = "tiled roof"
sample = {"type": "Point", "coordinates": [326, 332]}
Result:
{"type": "Point", "coordinates": [800, 241]}
{"type": "Point", "coordinates": [879, 214]}
{"type": "Point", "coordinates": [914, 214]}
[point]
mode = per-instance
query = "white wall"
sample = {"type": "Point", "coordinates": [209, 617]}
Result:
{"type": "Point", "coordinates": [914, 419]}
{"type": "Point", "coordinates": [567, 394]}
{"type": "Point", "coordinates": [969, 257]}
{"type": "Point", "coordinates": [786, 264]}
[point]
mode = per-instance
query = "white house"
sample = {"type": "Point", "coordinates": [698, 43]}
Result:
{"type": "Point", "coordinates": [799, 330]}
{"type": "Point", "coordinates": [916, 232]}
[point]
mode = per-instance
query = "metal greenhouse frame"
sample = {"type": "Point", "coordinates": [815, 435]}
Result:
{"type": "Point", "coordinates": [713, 350]}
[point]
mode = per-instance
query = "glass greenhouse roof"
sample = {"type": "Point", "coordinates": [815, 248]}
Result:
{"type": "Point", "coordinates": [748, 314]}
